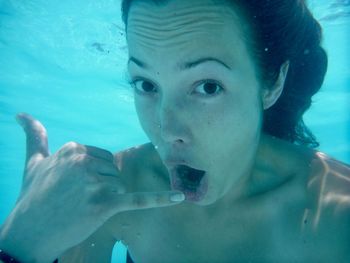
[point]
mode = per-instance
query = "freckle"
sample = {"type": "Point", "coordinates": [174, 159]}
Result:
{"type": "Point", "coordinates": [138, 235]}
{"type": "Point", "coordinates": [157, 73]}
{"type": "Point", "coordinates": [305, 221]}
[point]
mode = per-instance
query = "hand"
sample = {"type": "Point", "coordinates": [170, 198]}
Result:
{"type": "Point", "coordinates": [65, 197]}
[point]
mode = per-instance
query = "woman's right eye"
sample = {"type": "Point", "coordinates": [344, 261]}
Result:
{"type": "Point", "coordinates": [142, 86]}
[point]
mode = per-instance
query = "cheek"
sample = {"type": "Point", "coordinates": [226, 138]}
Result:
{"type": "Point", "coordinates": [229, 119]}
{"type": "Point", "coordinates": [233, 131]}
{"type": "Point", "coordinates": [234, 139]}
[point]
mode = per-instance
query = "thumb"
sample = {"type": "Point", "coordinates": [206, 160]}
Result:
{"type": "Point", "coordinates": [37, 147]}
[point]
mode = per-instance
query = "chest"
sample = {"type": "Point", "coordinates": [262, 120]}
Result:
{"type": "Point", "coordinates": [241, 236]}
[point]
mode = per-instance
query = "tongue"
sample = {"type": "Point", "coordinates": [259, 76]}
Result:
{"type": "Point", "coordinates": [192, 182]}
{"type": "Point", "coordinates": [190, 176]}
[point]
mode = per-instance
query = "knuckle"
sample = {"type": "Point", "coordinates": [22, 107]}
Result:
{"type": "Point", "coordinates": [158, 198]}
{"type": "Point", "coordinates": [71, 145]}
{"type": "Point", "coordinates": [139, 200]}
{"type": "Point", "coordinates": [83, 159]}
{"type": "Point", "coordinates": [69, 148]}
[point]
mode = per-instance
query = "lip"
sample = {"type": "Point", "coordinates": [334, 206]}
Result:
{"type": "Point", "coordinates": [174, 159]}
{"type": "Point", "coordinates": [191, 195]}
{"type": "Point", "coordinates": [173, 162]}
{"type": "Point", "coordinates": [170, 163]}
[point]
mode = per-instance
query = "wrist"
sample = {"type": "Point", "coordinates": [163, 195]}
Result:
{"type": "Point", "coordinates": [14, 243]}
{"type": "Point", "coordinates": [24, 244]}
{"type": "Point", "coordinates": [6, 258]}
{"type": "Point", "coordinates": [17, 250]}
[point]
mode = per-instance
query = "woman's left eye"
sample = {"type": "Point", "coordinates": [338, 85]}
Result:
{"type": "Point", "coordinates": [209, 87]}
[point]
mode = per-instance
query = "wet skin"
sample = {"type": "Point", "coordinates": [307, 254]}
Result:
{"type": "Point", "coordinates": [304, 217]}
{"type": "Point", "coordinates": [268, 200]}
{"type": "Point", "coordinates": [178, 114]}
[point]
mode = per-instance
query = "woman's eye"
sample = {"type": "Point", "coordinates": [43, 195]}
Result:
{"type": "Point", "coordinates": [209, 87]}
{"type": "Point", "coordinates": [142, 86]}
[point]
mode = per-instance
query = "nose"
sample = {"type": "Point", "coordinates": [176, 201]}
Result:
{"type": "Point", "coordinates": [173, 127]}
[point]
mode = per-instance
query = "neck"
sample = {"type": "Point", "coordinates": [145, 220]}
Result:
{"type": "Point", "coordinates": [268, 172]}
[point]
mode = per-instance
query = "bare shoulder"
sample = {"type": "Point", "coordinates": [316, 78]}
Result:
{"type": "Point", "coordinates": [329, 184]}
{"type": "Point", "coordinates": [322, 184]}
{"type": "Point", "coordinates": [327, 180]}
{"type": "Point", "coordinates": [328, 213]}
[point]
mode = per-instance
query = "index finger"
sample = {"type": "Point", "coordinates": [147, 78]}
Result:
{"type": "Point", "coordinates": [143, 200]}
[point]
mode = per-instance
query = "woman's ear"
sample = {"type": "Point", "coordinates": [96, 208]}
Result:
{"type": "Point", "coordinates": [271, 94]}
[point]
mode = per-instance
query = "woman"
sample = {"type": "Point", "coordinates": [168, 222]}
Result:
{"type": "Point", "coordinates": [220, 90]}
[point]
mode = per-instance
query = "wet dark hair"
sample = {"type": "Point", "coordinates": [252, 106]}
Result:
{"type": "Point", "coordinates": [282, 30]}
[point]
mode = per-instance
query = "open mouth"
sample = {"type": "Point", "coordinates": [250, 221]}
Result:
{"type": "Point", "coordinates": [192, 182]}
{"type": "Point", "coordinates": [190, 177]}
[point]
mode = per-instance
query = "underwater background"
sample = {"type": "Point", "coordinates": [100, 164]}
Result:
{"type": "Point", "coordinates": [64, 62]}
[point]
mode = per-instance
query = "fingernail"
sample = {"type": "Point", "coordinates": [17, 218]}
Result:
{"type": "Point", "coordinates": [177, 197]}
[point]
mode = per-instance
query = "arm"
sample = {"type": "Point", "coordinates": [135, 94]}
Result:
{"type": "Point", "coordinates": [66, 197]}
{"type": "Point", "coordinates": [96, 248]}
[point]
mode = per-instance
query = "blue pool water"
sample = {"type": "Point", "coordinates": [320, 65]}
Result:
{"type": "Point", "coordinates": [64, 63]}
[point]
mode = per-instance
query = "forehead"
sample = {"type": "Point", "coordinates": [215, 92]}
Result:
{"type": "Point", "coordinates": [176, 18]}
{"type": "Point", "coordinates": [185, 28]}
{"type": "Point", "coordinates": [182, 8]}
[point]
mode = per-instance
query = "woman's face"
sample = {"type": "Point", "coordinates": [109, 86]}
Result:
{"type": "Point", "coordinates": [196, 91]}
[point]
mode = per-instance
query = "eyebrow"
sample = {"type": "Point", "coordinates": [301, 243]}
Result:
{"type": "Point", "coordinates": [183, 66]}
